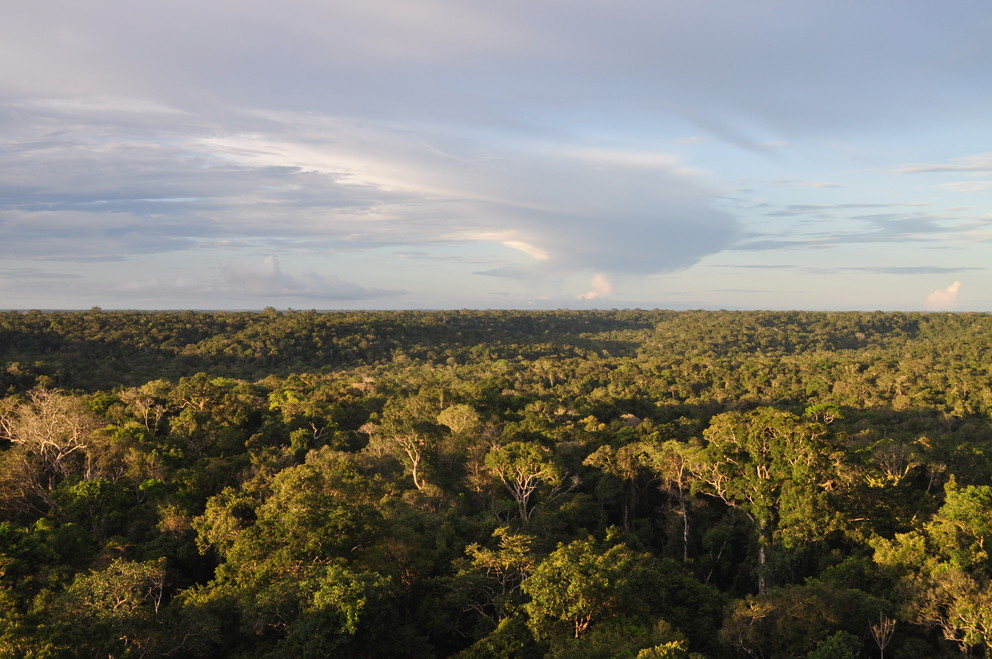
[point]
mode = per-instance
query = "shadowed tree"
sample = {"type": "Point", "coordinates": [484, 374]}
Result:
{"type": "Point", "coordinates": [117, 608]}
{"type": "Point", "coordinates": [670, 463]}
{"type": "Point", "coordinates": [946, 570]}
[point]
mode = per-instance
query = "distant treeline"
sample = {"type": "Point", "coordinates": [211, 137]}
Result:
{"type": "Point", "coordinates": [96, 349]}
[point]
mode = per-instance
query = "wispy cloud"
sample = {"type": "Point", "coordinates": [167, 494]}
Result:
{"type": "Point", "coordinates": [883, 270]}
{"type": "Point", "coordinates": [244, 280]}
{"type": "Point", "coordinates": [967, 186]}
{"type": "Point", "coordinates": [341, 184]}
{"type": "Point", "coordinates": [981, 162]}
{"type": "Point", "coordinates": [796, 183]}
{"type": "Point", "coordinates": [824, 210]}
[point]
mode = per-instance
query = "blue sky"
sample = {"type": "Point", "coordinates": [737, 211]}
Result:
{"type": "Point", "coordinates": [517, 154]}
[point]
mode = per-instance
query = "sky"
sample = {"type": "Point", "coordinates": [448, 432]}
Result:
{"type": "Point", "coordinates": [438, 154]}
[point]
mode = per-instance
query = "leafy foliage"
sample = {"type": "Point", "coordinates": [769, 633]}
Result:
{"type": "Point", "coordinates": [571, 484]}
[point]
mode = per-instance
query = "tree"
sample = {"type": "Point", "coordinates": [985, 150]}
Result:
{"type": "Point", "coordinates": [624, 464]}
{"type": "Point", "coordinates": [55, 428]}
{"type": "Point", "coordinates": [52, 435]}
{"type": "Point", "coordinates": [148, 403]}
{"type": "Point", "coordinates": [946, 572]}
{"type": "Point", "coordinates": [580, 584]}
{"type": "Point", "coordinates": [587, 591]}
{"type": "Point", "coordinates": [408, 431]}
{"type": "Point", "coordinates": [523, 466]}
{"type": "Point", "coordinates": [289, 549]}
{"type": "Point", "coordinates": [118, 605]}
{"type": "Point", "coordinates": [774, 468]}
{"type": "Point", "coordinates": [493, 576]}
{"type": "Point", "coordinates": [882, 632]}
{"type": "Point", "coordinates": [459, 418]}
{"type": "Point", "coordinates": [343, 614]}
{"type": "Point", "coordinates": [671, 462]}
{"type": "Point", "coordinates": [793, 621]}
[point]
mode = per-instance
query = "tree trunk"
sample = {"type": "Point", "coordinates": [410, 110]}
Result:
{"type": "Point", "coordinates": [764, 543]}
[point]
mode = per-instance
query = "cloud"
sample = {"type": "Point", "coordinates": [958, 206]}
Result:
{"type": "Point", "coordinates": [528, 249]}
{"type": "Point", "coordinates": [834, 225]}
{"type": "Point", "coordinates": [266, 279]}
{"type": "Point", "coordinates": [533, 136]}
{"type": "Point", "coordinates": [975, 166]}
{"type": "Point", "coordinates": [601, 287]}
{"type": "Point", "coordinates": [732, 69]}
{"type": "Point", "coordinates": [885, 270]}
{"type": "Point", "coordinates": [967, 186]}
{"type": "Point", "coordinates": [630, 213]}
{"type": "Point", "coordinates": [912, 270]}
{"type": "Point", "coordinates": [242, 283]}
{"type": "Point", "coordinates": [158, 287]}
{"type": "Point", "coordinates": [34, 273]}
{"type": "Point", "coordinates": [319, 182]}
{"type": "Point", "coordinates": [944, 299]}
{"type": "Point", "coordinates": [806, 184]}
{"type": "Point", "coordinates": [793, 210]}
{"type": "Point", "coordinates": [981, 162]}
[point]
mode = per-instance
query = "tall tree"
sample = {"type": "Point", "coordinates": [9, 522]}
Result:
{"type": "Point", "coordinates": [773, 467]}
{"type": "Point", "coordinates": [409, 432]}
{"type": "Point", "coordinates": [523, 467]}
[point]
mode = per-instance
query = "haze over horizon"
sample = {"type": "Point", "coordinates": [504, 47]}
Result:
{"type": "Point", "coordinates": [434, 154]}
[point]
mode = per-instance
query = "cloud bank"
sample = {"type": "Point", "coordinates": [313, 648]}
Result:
{"type": "Point", "coordinates": [327, 183]}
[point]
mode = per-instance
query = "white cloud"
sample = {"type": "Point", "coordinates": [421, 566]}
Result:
{"type": "Point", "coordinates": [266, 279]}
{"type": "Point", "coordinates": [528, 249]}
{"type": "Point", "coordinates": [600, 287]}
{"type": "Point", "coordinates": [944, 299]}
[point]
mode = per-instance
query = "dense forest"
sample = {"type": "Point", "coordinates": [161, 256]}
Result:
{"type": "Point", "coordinates": [643, 484]}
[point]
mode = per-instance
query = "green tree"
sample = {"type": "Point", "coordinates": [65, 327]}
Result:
{"type": "Point", "coordinates": [580, 584]}
{"type": "Point", "coordinates": [671, 463]}
{"type": "Point", "coordinates": [794, 621]}
{"type": "Point", "coordinates": [408, 431]}
{"type": "Point", "coordinates": [117, 608]}
{"type": "Point", "coordinates": [626, 465]}
{"type": "Point", "coordinates": [491, 577]}
{"type": "Point", "coordinates": [773, 467]}
{"type": "Point", "coordinates": [523, 467]}
{"type": "Point", "coordinates": [946, 573]}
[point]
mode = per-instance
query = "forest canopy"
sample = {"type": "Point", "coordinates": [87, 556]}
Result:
{"type": "Point", "coordinates": [626, 483]}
